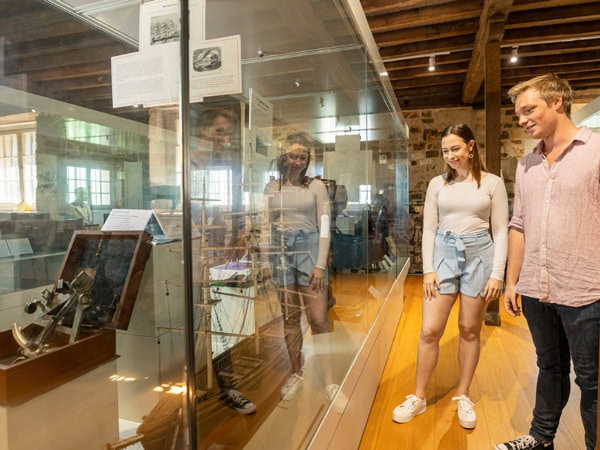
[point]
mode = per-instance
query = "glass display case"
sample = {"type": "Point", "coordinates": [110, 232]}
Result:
{"type": "Point", "coordinates": [273, 182]}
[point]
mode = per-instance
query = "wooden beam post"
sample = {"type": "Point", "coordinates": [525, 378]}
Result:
{"type": "Point", "coordinates": [493, 99]}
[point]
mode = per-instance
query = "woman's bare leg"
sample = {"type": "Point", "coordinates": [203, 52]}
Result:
{"type": "Point", "coordinates": [435, 316]}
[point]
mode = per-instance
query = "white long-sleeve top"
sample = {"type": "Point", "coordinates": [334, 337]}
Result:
{"type": "Point", "coordinates": [295, 208]}
{"type": "Point", "coordinates": [463, 208]}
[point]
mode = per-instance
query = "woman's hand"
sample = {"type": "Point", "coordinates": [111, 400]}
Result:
{"type": "Point", "coordinates": [317, 279]}
{"type": "Point", "coordinates": [493, 289]}
{"type": "Point", "coordinates": [430, 284]}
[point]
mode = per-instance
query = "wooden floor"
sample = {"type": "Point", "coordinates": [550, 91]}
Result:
{"type": "Point", "coordinates": [503, 389]}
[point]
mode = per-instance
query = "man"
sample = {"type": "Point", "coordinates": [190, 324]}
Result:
{"type": "Point", "coordinates": [80, 208]}
{"type": "Point", "coordinates": [216, 128]}
{"type": "Point", "coordinates": [553, 248]}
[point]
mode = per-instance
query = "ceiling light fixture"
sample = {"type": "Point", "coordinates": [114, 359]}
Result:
{"type": "Point", "coordinates": [514, 55]}
{"type": "Point", "coordinates": [432, 63]}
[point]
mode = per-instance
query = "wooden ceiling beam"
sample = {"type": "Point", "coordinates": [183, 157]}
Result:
{"type": "Point", "coordinates": [421, 72]}
{"type": "Point", "coordinates": [493, 17]}
{"type": "Point", "coordinates": [426, 16]}
{"type": "Point", "coordinates": [425, 47]}
{"type": "Point", "coordinates": [562, 49]}
{"type": "Point", "coordinates": [554, 16]}
{"type": "Point", "coordinates": [423, 61]}
{"type": "Point", "coordinates": [534, 5]}
{"type": "Point", "coordinates": [438, 80]}
{"type": "Point", "coordinates": [438, 31]}
{"type": "Point", "coordinates": [534, 60]}
{"type": "Point", "coordinates": [374, 7]}
{"type": "Point", "coordinates": [554, 33]}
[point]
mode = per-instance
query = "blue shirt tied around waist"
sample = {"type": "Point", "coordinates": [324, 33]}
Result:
{"type": "Point", "coordinates": [463, 263]}
{"type": "Point", "coordinates": [298, 258]}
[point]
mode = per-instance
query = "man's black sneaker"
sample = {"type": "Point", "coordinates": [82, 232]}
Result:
{"type": "Point", "coordinates": [237, 401]}
{"type": "Point", "coordinates": [525, 443]}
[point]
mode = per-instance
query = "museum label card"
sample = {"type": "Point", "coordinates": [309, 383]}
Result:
{"type": "Point", "coordinates": [127, 220]}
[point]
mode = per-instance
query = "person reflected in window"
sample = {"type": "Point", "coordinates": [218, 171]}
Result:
{"type": "Point", "coordinates": [299, 228]}
{"type": "Point", "coordinates": [216, 127]}
{"type": "Point", "coordinates": [380, 210]}
{"type": "Point", "coordinates": [459, 257]}
{"type": "Point", "coordinates": [80, 208]}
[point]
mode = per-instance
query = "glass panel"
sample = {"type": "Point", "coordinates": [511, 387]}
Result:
{"type": "Point", "coordinates": [231, 204]}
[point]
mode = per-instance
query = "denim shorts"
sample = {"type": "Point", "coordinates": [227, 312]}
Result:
{"type": "Point", "coordinates": [297, 258]}
{"type": "Point", "coordinates": [463, 263]}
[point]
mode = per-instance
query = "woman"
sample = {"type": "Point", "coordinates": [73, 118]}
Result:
{"type": "Point", "coordinates": [299, 218]}
{"type": "Point", "coordinates": [458, 257]}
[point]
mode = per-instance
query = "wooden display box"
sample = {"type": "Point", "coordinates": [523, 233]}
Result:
{"type": "Point", "coordinates": [119, 259]}
{"type": "Point", "coordinates": [27, 378]}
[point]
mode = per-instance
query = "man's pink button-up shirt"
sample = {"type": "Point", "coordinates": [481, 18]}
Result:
{"type": "Point", "coordinates": [558, 209]}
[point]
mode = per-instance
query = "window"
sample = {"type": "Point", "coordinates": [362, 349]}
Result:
{"type": "Point", "coordinates": [9, 154]}
{"type": "Point", "coordinates": [100, 189]}
{"type": "Point", "coordinates": [96, 181]}
{"type": "Point", "coordinates": [76, 178]}
{"type": "Point", "coordinates": [213, 183]}
{"type": "Point", "coordinates": [364, 194]}
{"type": "Point", "coordinates": [18, 172]}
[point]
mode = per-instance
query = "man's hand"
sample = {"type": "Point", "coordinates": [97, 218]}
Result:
{"type": "Point", "coordinates": [511, 301]}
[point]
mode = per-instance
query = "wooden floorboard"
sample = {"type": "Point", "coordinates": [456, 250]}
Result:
{"type": "Point", "coordinates": [503, 389]}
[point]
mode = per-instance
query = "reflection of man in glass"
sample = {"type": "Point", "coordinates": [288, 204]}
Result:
{"type": "Point", "coordinates": [80, 208]}
{"type": "Point", "coordinates": [215, 128]}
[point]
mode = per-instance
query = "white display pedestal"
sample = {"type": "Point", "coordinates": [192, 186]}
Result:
{"type": "Point", "coordinates": [234, 312]}
{"type": "Point", "coordinates": [151, 352]}
{"type": "Point", "coordinates": [80, 414]}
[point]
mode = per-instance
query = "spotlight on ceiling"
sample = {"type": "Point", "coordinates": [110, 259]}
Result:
{"type": "Point", "coordinates": [432, 63]}
{"type": "Point", "coordinates": [514, 55]}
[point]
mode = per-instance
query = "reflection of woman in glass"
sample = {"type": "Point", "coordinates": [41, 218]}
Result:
{"type": "Point", "coordinates": [299, 210]}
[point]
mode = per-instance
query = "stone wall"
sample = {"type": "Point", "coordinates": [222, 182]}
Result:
{"type": "Point", "coordinates": [425, 160]}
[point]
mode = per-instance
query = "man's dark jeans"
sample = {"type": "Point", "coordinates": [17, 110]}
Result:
{"type": "Point", "coordinates": [560, 333]}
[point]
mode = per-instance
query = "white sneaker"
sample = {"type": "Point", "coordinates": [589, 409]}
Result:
{"type": "Point", "coordinates": [337, 398]}
{"type": "Point", "coordinates": [407, 410]}
{"type": "Point", "coordinates": [331, 391]}
{"type": "Point", "coordinates": [466, 414]}
{"type": "Point", "coordinates": [292, 386]}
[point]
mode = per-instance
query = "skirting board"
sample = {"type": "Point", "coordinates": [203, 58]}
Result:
{"type": "Point", "coordinates": [344, 423]}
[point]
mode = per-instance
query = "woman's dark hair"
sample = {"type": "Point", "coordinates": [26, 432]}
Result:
{"type": "Point", "coordinates": [302, 139]}
{"type": "Point", "coordinates": [466, 134]}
